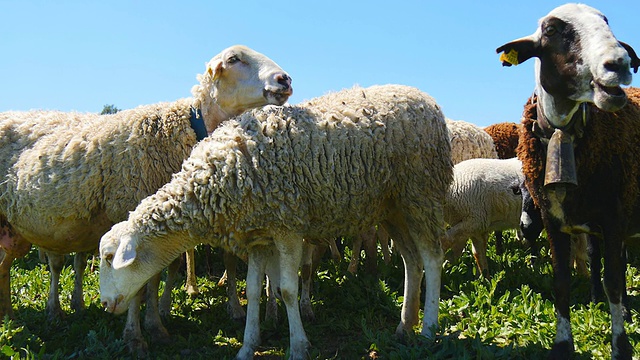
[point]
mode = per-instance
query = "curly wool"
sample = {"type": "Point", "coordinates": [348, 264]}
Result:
{"type": "Point", "coordinates": [469, 141]}
{"type": "Point", "coordinates": [65, 169]}
{"type": "Point", "coordinates": [603, 152]}
{"type": "Point", "coordinates": [333, 165]}
{"type": "Point", "coordinates": [505, 138]}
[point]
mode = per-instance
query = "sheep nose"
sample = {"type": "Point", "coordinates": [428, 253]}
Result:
{"type": "Point", "coordinates": [110, 305]}
{"type": "Point", "coordinates": [615, 66]}
{"type": "Point", "coordinates": [284, 80]}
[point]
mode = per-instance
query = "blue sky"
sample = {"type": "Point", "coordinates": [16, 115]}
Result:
{"type": "Point", "coordinates": [81, 55]}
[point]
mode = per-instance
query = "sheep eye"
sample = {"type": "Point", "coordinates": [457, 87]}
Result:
{"type": "Point", "coordinates": [108, 258]}
{"type": "Point", "coordinates": [550, 30]}
{"type": "Point", "coordinates": [516, 190]}
{"type": "Point", "coordinates": [233, 59]}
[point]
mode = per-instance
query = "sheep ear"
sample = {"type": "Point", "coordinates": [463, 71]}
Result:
{"type": "Point", "coordinates": [635, 61]}
{"type": "Point", "coordinates": [126, 253]}
{"type": "Point", "coordinates": [215, 68]}
{"type": "Point", "coordinates": [518, 51]}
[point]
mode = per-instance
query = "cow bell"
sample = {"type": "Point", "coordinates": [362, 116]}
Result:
{"type": "Point", "coordinates": [561, 164]}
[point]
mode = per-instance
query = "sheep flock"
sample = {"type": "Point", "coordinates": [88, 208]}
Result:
{"type": "Point", "coordinates": [236, 168]}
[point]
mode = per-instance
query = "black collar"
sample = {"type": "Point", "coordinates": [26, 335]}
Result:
{"type": "Point", "coordinates": [543, 129]}
{"type": "Point", "coordinates": [197, 124]}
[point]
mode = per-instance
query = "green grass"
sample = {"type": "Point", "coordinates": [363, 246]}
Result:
{"type": "Point", "coordinates": [510, 316]}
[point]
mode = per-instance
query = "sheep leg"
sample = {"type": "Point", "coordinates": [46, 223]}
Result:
{"type": "Point", "coordinates": [311, 257]}
{"type": "Point", "coordinates": [132, 334]}
{"type": "Point", "coordinates": [271, 309]}
{"type": "Point", "coordinates": [499, 242]}
{"type": "Point", "coordinates": [235, 310]}
{"type": "Point", "coordinates": [355, 254]}
{"type": "Point", "coordinates": [79, 267]}
{"type": "Point", "coordinates": [412, 278]}
{"type": "Point", "coordinates": [479, 247]}
{"type": "Point", "coordinates": [595, 263]}
{"type": "Point", "coordinates": [371, 252]}
{"type": "Point", "coordinates": [579, 254]}
{"type": "Point", "coordinates": [152, 321]}
{"type": "Point", "coordinates": [456, 239]}
{"type": "Point", "coordinates": [335, 253]}
{"type": "Point", "coordinates": [289, 257]}
{"type": "Point", "coordinates": [560, 244]}
{"type": "Point", "coordinates": [5, 286]}
{"type": "Point", "coordinates": [13, 246]}
{"type": "Point", "coordinates": [164, 307]}
{"type": "Point", "coordinates": [614, 266]}
{"type": "Point", "coordinates": [255, 275]}
{"type": "Point", "coordinates": [56, 263]}
{"type": "Point", "coordinates": [432, 257]}
{"type": "Point", "coordinates": [191, 284]}
{"type": "Point", "coordinates": [383, 237]}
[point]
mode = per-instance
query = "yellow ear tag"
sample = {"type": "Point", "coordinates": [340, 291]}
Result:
{"type": "Point", "coordinates": [511, 57]}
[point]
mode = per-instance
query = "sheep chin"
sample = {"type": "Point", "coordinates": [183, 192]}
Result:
{"type": "Point", "coordinates": [278, 97]}
{"type": "Point", "coordinates": [608, 98]}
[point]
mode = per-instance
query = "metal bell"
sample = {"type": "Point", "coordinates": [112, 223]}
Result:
{"type": "Point", "coordinates": [561, 164]}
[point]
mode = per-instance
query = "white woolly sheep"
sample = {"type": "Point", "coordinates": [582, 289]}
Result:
{"type": "Point", "coordinates": [265, 180]}
{"type": "Point", "coordinates": [68, 177]}
{"type": "Point", "coordinates": [484, 197]}
{"type": "Point", "coordinates": [579, 149]}
{"type": "Point", "coordinates": [469, 141]}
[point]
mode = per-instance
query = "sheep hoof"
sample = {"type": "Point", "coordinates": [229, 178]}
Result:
{"type": "Point", "coordinates": [55, 314]}
{"type": "Point", "coordinates": [623, 347]}
{"type": "Point", "coordinates": [561, 351]}
{"type": "Point", "coordinates": [138, 348]}
{"type": "Point", "coordinates": [306, 312]}
{"type": "Point", "coordinates": [193, 291]}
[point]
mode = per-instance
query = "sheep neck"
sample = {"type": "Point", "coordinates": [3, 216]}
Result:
{"type": "Point", "coordinates": [543, 128]}
{"type": "Point", "coordinates": [213, 116]}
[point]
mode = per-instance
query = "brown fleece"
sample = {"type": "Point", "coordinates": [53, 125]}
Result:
{"type": "Point", "coordinates": [609, 151]}
{"type": "Point", "coordinates": [505, 137]}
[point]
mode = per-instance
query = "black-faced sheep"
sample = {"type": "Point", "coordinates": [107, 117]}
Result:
{"type": "Point", "coordinates": [68, 177]}
{"type": "Point", "coordinates": [262, 182]}
{"type": "Point", "coordinates": [580, 149]}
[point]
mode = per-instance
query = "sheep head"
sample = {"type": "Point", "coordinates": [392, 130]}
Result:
{"type": "Point", "coordinates": [578, 60]}
{"type": "Point", "coordinates": [126, 264]}
{"type": "Point", "coordinates": [239, 79]}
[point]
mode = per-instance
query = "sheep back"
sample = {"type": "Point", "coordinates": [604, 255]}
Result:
{"type": "Point", "coordinates": [334, 165]}
{"type": "Point", "coordinates": [505, 138]}
{"type": "Point", "coordinates": [89, 158]}
{"type": "Point", "coordinates": [469, 141]}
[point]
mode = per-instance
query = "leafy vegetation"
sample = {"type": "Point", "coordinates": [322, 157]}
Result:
{"type": "Point", "coordinates": [509, 316]}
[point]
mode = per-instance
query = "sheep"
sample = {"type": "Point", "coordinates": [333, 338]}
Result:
{"type": "Point", "coordinates": [505, 138]}
{"type": "Point", "coordinates": [70, 176]}
{"type": "Point", "coordinates": [265, 180]}
{"type": "Point", "coordinates": [484, 196]}
{"type": "Point", "coordinates": [580, 150]}
{"type": "Point", "coordinates": [469, 141]}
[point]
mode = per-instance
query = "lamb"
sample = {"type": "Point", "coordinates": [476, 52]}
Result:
{"type": "Point", "coordinates": [264, 181]}
{"type": "Point", "coordinates": [110, 162]}
{"type": "Point", "coordinates": [580, 149]}
{"type": "Point", "coordinates": [484, 196]}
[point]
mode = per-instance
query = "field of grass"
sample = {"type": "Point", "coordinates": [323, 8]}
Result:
{"type": "Point", "coordinates": [510, 316]}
